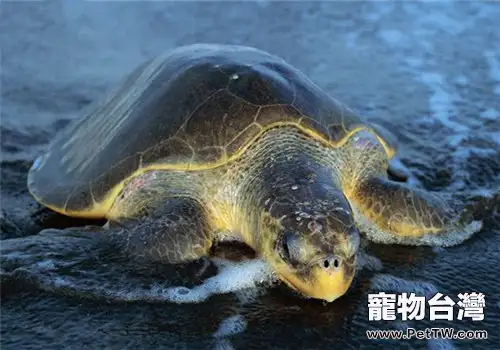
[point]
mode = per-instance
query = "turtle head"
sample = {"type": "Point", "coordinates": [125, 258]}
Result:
{"type": "Point", "coordinates": [314, 247]}
{"type": "Point", "coordinates": [316, 258]}
{"type": "Point", "coordinates": [307, 232]}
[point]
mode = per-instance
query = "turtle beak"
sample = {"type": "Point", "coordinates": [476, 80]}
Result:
{"type": "Point", "coordinates": [324, 283]}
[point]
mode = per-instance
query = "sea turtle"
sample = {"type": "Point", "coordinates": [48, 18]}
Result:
{"type": "Point", "coordinates": [210, 142]}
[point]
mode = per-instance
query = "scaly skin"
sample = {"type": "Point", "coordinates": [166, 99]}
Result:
{"type": "Point", "coordinates": [290, 198]}
{"type": "Point", "coordinates": [392, 207]}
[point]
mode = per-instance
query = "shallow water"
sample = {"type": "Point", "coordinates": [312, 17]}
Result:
{"type": "Point", "coordinates": [428, 72]}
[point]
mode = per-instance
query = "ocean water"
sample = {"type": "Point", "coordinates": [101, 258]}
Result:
{"type": "Point", "coordinates": [427, 71]}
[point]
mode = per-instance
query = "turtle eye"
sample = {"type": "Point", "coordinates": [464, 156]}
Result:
{"type": "Point", "coordinates": [291, 248]}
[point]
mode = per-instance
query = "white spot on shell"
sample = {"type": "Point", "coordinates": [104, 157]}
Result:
{"type": "Point", "coordinates": [314, 226]}
{"type": "Point", "coordinates": [342, 210]}
{"type": "Point", "coordinates": [301, 214]}
{"type": "Point", "coordinates": [234, 76]}
{"type": "Point", "coordinates": [294, 187]}
{"type": "Point", "coordinates": [37, 163]}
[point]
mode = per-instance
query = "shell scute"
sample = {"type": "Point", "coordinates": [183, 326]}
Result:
{"type": "Point", "coordinates": [193, 107]}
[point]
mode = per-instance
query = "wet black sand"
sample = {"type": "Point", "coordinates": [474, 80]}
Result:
{"type": "Point", "coordinates": [426, 71]}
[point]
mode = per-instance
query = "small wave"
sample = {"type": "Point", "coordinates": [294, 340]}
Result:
{"type": "Point", "coordinates": [57, 262]}
{"type": "Point", "coordinates": [223, 344]}
{"type": "Point", "coordinates": [232, 277]}
{"type": "Point", "coordinates": [494, 66]}
{"type": "Point", "coordinates": [442, 100]}
{"type": "Point", "coordinates": [447, 239]}
{"type": "Point", "coordinates": [230, 326]}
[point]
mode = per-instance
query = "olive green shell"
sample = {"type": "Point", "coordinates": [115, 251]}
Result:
{"type": "Point", "coordinates": [195, 105]}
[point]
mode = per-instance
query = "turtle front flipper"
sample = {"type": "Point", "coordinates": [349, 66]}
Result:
{"type": "Point", "coordinates": [174, 232]}
{"type": "Point", "coordinates": [393, 212]}
{"type": "Point", "coordinates": [395, 169]}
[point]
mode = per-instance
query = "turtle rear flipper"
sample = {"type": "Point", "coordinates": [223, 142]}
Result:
{"type": "Point", "coordinates": [408, 214]}
{"type": "Point", "coordinates": [175, 232]}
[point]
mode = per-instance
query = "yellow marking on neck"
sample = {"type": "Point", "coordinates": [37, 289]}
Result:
{"type": "Point", "coordinates": [101, 209]}
{"type": "Point", "coordinates": [229, 217]}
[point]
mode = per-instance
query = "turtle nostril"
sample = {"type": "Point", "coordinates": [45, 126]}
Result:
{"type": "Point", "coordinates": [331, 262]}
{"type": "Point", "coordinates": [336, 263]}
